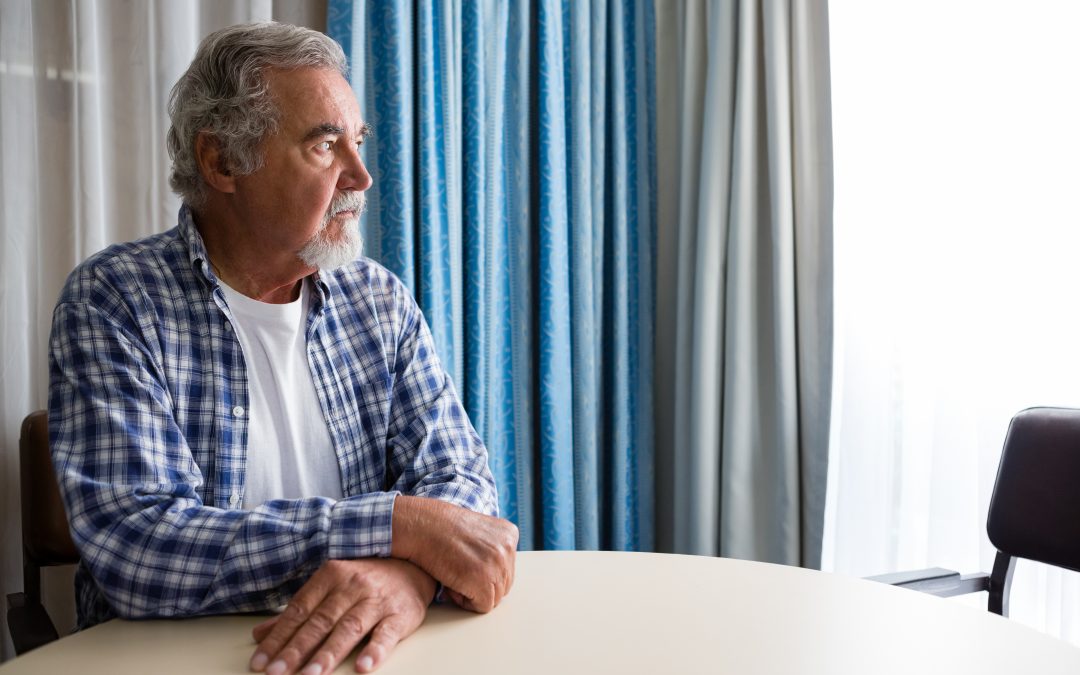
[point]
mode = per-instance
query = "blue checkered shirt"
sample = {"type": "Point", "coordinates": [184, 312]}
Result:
{"type": "Point", "coordinates": [147, 400]}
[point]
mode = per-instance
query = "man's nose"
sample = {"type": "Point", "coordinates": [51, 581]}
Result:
{"type": "Point", "coordinates": [354, 174]}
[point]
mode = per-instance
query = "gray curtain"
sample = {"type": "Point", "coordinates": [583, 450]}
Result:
{"type": "Point", "coordinates": [744, 297]}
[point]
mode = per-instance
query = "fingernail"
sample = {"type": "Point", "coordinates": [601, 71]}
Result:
{"type": "Point", "coordinates": [365, 663]}
{"type": "Point", "coordinates": [312, 669]}
{"type": "Point", "coordinates": [258, 662]}
{"type": "Point", "coordinates": [276, 668]}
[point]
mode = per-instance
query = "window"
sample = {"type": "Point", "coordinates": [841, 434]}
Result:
{"type": "Point", "coordinates": [956, 127]}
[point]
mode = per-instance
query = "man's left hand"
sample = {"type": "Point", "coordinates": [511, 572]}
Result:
{"type": "Point", "coordinates": [471, 553]}
{"type": "Point", "coordinates": [343, 602]}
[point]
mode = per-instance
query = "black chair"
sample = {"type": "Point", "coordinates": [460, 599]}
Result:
{"type": "Point", "coordinates": [1034, 510]}
{"type": "Point", "coordinates": [46, 539]}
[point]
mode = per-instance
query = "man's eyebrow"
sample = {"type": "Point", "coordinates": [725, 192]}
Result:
{"type": "Point", "coordinates": [329, 129]}
{"type": "Point", "coordinates": [324, 129]}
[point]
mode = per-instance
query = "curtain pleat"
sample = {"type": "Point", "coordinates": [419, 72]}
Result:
{"type": "Point", "coordinates": [525, 231]}
{"type": "Point", "coordinates": [585, 263]}
{"type": "Point", "coordinates": [747, 411]}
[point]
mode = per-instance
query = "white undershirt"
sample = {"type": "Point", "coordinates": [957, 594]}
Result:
{"type": "Point", "coordinates": [289, 451]}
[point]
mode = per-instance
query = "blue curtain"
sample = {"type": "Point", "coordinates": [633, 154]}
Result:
{"type": "Point", "coordinates": [513, 159]}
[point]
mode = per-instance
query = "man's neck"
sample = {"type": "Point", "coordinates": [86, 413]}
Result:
{"type": "Point", "coordinates": [261, 289]}
{"type": "Point", "coordinates": [239, 262]}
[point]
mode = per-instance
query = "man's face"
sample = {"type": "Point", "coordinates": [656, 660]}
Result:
{"type": "Point", "coordinates": [307, 197]}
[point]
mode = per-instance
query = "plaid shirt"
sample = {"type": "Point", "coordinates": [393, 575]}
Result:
{"type": "Point", "coordinates": [147, 419]}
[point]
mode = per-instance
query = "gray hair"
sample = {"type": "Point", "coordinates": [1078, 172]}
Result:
{"type": "Point", "coordinates": [224, 92]}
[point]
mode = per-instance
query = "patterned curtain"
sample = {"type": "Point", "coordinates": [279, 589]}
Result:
{"type": "Point", "coordinates": [513, 160]}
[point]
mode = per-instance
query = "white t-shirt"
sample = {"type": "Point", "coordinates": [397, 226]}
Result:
{"type": "Point", "coordinates": [289, 451]}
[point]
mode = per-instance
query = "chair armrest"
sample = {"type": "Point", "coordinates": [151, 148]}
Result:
{"type": "Point", "coordinates": [936, 581]}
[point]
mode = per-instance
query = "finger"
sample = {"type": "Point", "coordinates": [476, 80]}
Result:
{"type": "Point", "coordinates": [263, 629]}
{"type": "Point", "coordinates": [457, 598]}
{"type": "Point", "coordinates": [513, 569]}
{"type": "Point", "coordinates": [300, 646]}
{"type": "Point", "coordinates": [286, 623]}
{"type": "Point", "coordinates": [481, 604]}
{"type": "Point", "coordinates": [349, 632]}
{"type": "Point", "coordinates": [501, 590]}
{"type": "Point", "coordinates": [501, 586]}
{"type": "Point", "coordinates": [383, 640]}
{"type": "Point", "coordinates": [489, 599]}
{"type": "Point", "coordinates": [509, 561]}
{"type": "Point", "coordinates": [463, 601]}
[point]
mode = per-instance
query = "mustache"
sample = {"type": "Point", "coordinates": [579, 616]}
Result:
{"type": "Point", "coordinates": [347, 201]}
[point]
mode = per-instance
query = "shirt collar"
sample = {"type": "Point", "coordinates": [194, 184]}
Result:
{"type": "Point", "coordinates": [196, 248]}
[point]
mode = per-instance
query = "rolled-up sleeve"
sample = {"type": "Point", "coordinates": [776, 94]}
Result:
{"type": "Point", "coordinates": [434, 449]}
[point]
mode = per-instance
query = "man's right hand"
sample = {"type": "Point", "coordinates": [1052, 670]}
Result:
{"type": "Point", "coordinates": [472, 554]}
{"type": "Point", "coordinates": [345, 601]}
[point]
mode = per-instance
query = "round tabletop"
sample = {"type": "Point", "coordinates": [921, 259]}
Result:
{"type": "Point", "coordinates": [591, 612]}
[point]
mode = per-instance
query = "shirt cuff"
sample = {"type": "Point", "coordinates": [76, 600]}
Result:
{"type": "Point", "coordinates": [362, 526]}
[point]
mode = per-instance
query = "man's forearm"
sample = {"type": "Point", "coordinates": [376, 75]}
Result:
{"type": "Point", "coordinates": [470, 553]}
{"type": "Point", "coordinates": [413, 518]}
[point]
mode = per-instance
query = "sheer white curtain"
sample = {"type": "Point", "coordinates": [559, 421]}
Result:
{"type": "Point", "coordinates": [83, 91]}
{"type": "Point", "coordinates": [957, 239]}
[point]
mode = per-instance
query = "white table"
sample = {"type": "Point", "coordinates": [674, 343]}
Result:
{"type": "Point", "coordinates": [579, 612]}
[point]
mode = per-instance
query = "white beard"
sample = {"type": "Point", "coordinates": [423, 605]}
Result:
{"type": "Point", "coordinates": [326, 252]}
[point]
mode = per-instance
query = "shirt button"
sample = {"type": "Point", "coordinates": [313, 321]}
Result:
{"type": "Point", "coordinates": [228, 326]}
{"type": "Point", "coordinates": [234, 499]}
{"type": "Point", "coordinates": [238, 411]}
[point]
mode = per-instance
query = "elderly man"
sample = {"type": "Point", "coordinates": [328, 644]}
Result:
{"type": "Point", "coordinates": [245, 413]}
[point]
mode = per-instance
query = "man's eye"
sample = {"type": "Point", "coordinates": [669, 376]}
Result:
{"type": "Point", "coordinates": [324, 146]}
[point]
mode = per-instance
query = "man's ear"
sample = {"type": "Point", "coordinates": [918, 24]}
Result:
{"type": "Point", "coordinates": [212, 163]}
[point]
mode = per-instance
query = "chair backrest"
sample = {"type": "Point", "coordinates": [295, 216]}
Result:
{"type": "Point", "coordinates": [45, 534]}
{"type": "Point", "coordinates": [1035, 508]}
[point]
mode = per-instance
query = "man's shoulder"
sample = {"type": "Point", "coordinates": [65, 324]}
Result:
{"type": "Point", "coordinates": [368, 294]}
{"type": "Point", "coordinates": [367, 277]}
{"type": "Point", "coordinates": [139, 265]}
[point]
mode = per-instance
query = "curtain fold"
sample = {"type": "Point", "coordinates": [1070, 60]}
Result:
{"type": "Point", "coordinates": [512, 161]}
{"type": "Point", "coordinates": [84, 88]}
{"type": "Point", "coordinates": [746, 279]}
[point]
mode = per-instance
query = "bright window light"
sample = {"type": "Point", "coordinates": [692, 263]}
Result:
{"type": "Point", "coordinates": [956, 127]}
